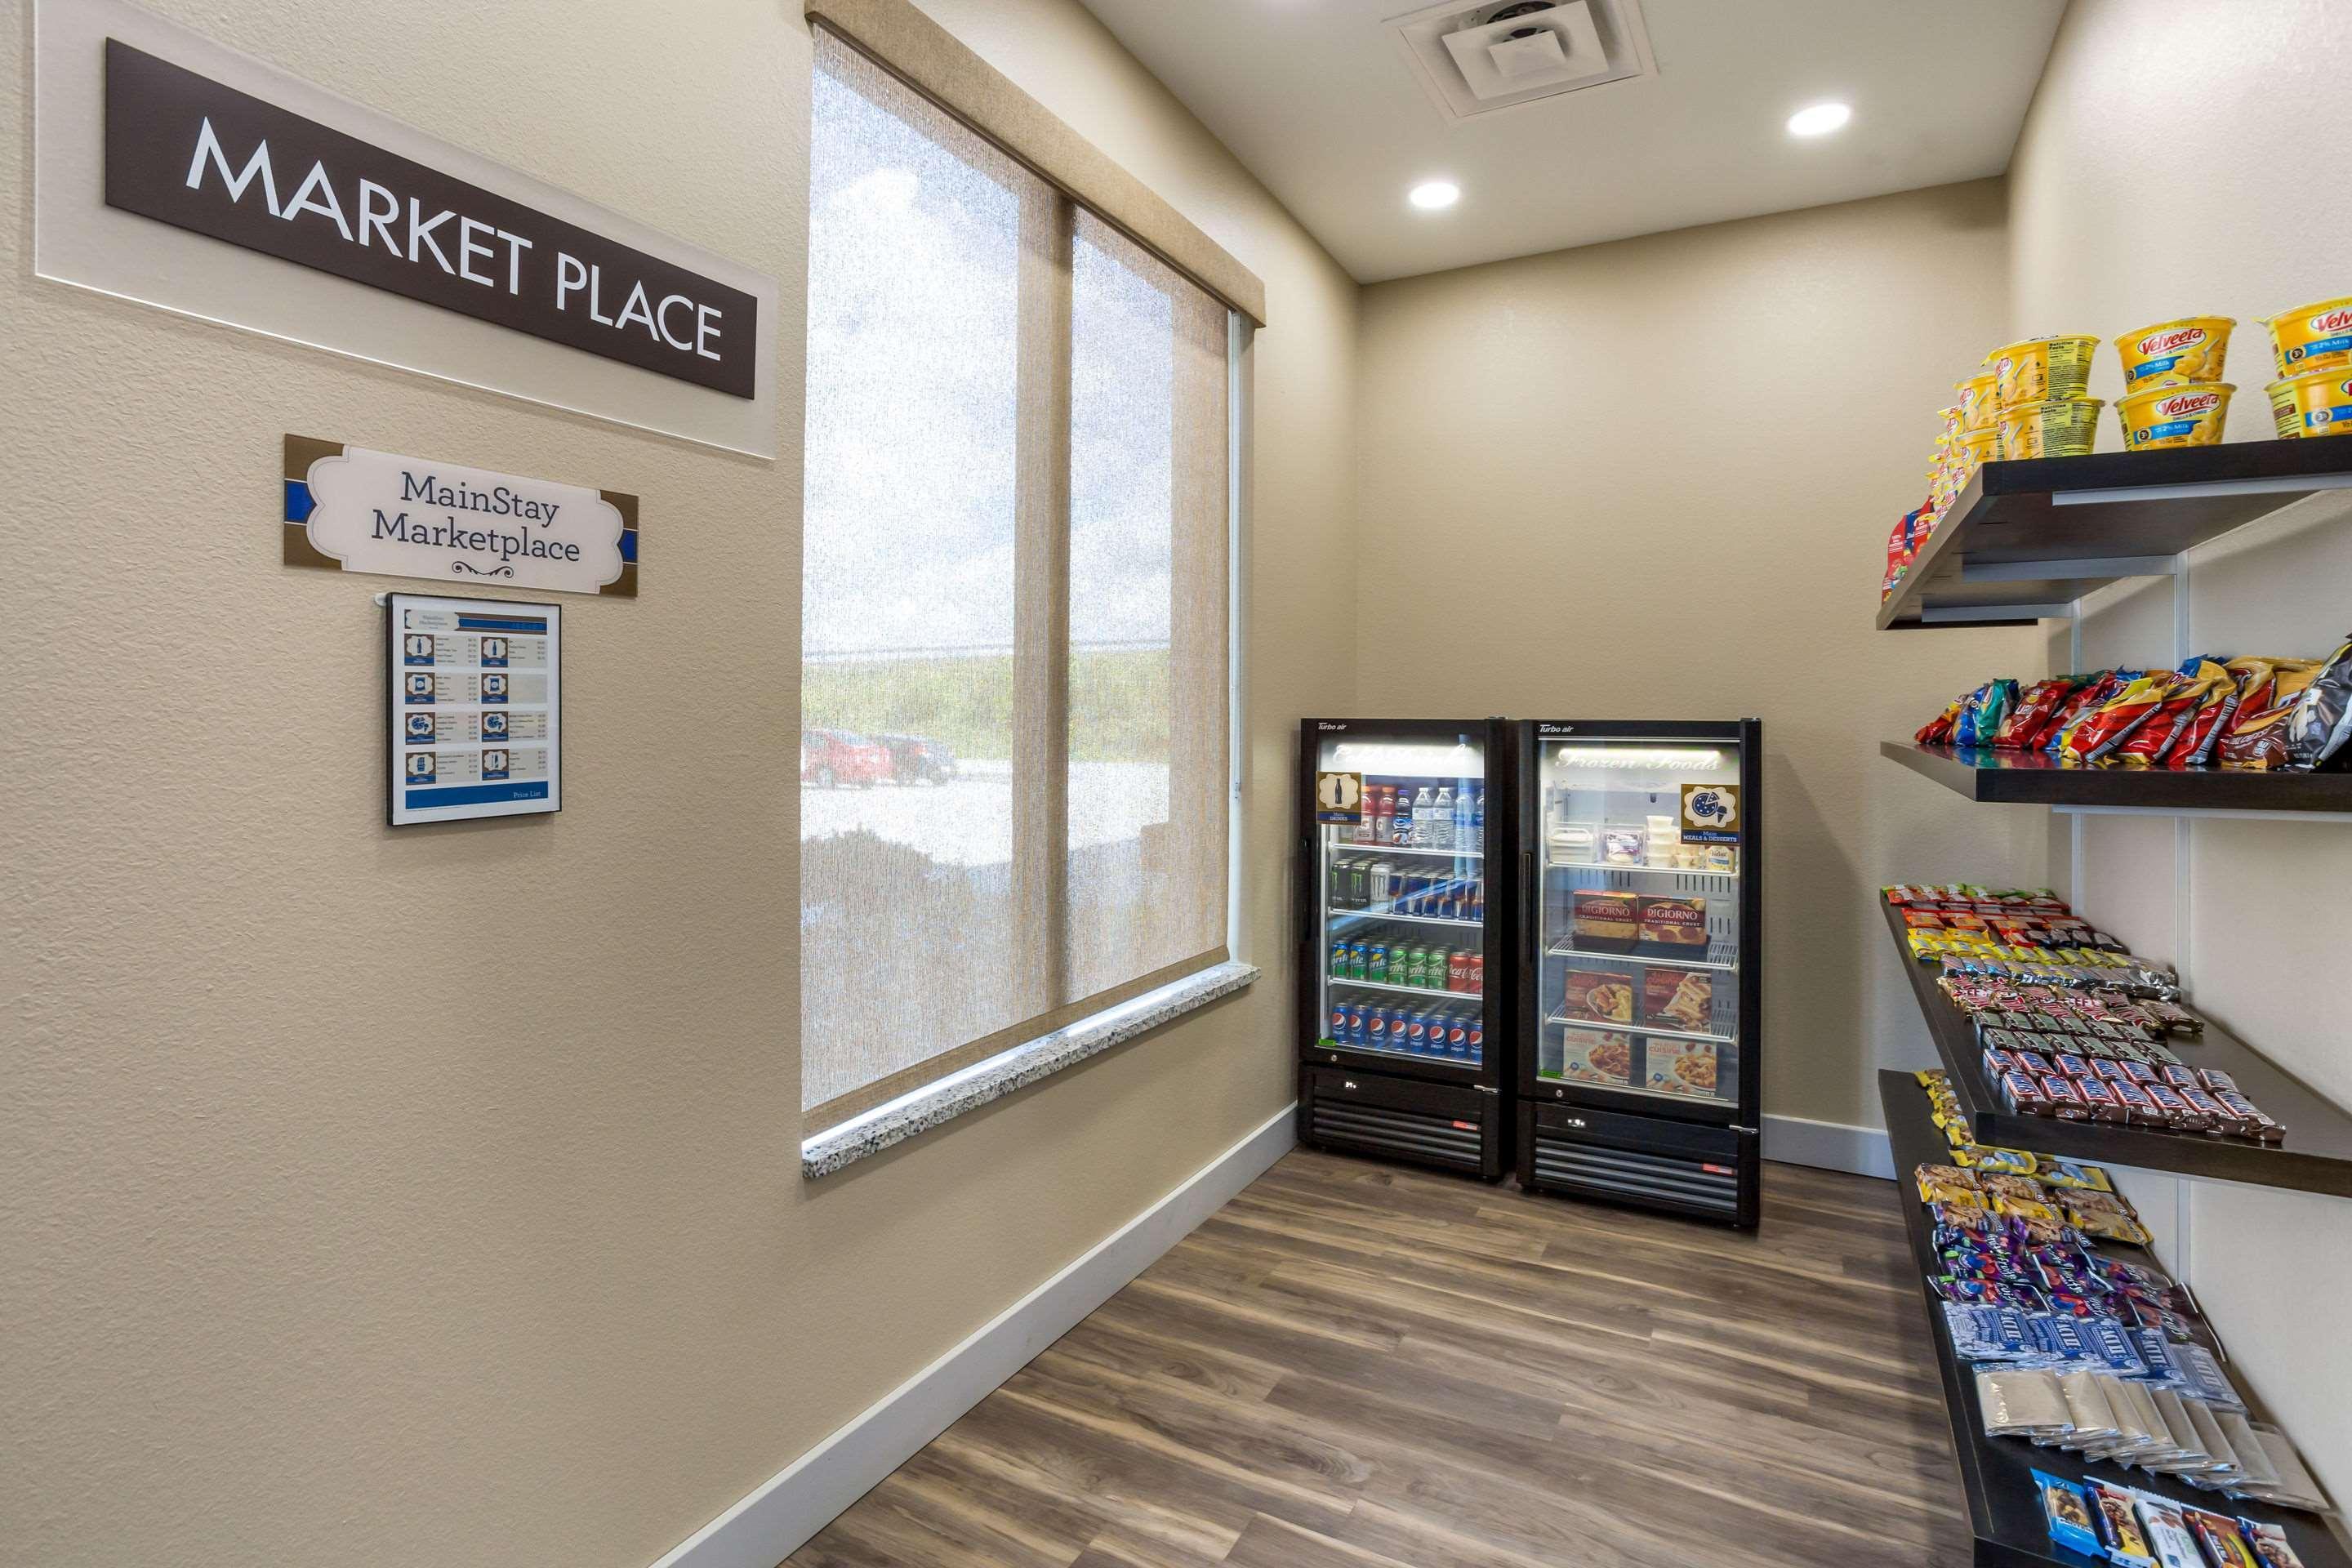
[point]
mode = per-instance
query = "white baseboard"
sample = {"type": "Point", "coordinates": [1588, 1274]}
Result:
{"type": "Point", "coordinates": [1830, 1145]}
{"type": "Point", "coordinates": [802, 1498]}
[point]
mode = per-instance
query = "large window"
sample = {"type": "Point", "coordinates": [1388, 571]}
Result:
{"type": "Point", "coordinates": [1013, 763]}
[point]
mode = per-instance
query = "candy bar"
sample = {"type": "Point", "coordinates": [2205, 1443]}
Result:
{"type": "Point", "coordinates": [2099, 1100]}
{"type": "Point", "coordinates": [2019, 1088]}
{"type": "Point", "coordinates": [2072, 1066]}
{"type": "Point", "coordinates": [2064, 1101]}
{"type": "Point", "coordinates": [2258, 1124]}
{"type": "Point", "coordinates": [2171, 1111]}
{"type": "Point", "coordinates": [2210, 1117]}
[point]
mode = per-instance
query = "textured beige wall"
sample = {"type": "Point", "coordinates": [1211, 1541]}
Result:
{"type": "Point", "coordinates": [1672, 462]}
{"type": "Point", "coordinates": [339, 1229]}
{"type": "Point", "coordinates": [2169, 168]}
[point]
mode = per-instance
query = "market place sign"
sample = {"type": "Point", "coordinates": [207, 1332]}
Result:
{"type": "Point", "coordinates": [353, 509]}
{"type": "Point", "coordinates": [194, 152]}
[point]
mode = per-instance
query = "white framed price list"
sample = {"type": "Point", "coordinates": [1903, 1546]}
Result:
{"type": "Point", "coordinates": [475, 706]}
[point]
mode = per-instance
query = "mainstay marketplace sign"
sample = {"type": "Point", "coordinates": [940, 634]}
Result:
{"type": "Point", "coordinates": [194, 152]}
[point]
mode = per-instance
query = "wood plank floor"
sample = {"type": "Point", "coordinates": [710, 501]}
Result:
{"type": "Point", "coordinates": [1357, 1365]}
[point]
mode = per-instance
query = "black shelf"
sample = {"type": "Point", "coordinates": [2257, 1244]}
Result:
{"type": "Point", "coordinates": [2037, 778]}
{"type": "Point", "coordinates": [2024, 539]}
{"type": "Point", "coordinates": [2315, 1158]}
{"type": "Point", "coordinates": [1997, 1473]}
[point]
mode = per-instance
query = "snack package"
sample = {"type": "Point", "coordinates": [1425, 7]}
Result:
{"type": "Point", "coordinates": [2167, 1533]}
{"type": "Point", "coordinates": [2201, 739]}
{"type": "Point", "coordinates": [2034, 711]}
{"type": "Point", "coordinates": [1597, 995]}
{"type": "Point", "coordinates": [2270, 1545]}
{"type": "Point", "coordinates": [2021, 1403]}
{"type": "Point", "coordinates": [1937, 732]}
{"type": "Point", "coordinates": [1682, 1067]}
{"type": "Point", "coordinates": [2294, 1487]}
{"type": "Point", "coordinates": [2200, 680]}
{"type": "Point", "coordinates": [2067, 1506]}
{"type": "Point", "coordinates": [2256, 739]}
{"type": "Point", "coordinates": [1981, 716]}
{"type": "Point", "coordinates": [2117, 1523]}
{"type": "Point", "coordinates": [2218, 1535]}
{"type": "Point", "coordinates": [2321, 724]}
{"type": "Point", "coordinates": [2121, 716]}
{"type": "Point", "coordinates": [2088, 698]}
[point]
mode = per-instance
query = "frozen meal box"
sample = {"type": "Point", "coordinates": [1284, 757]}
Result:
{"type": "Point", "coordinates": [1678, 999]}
{"type": "Point", "coordinates": [1596, 1056]}
{"type": "Point", "coordinates": [1602, 995]}
{"type": "Point", "coordinates": [1677, 923]}
{"type": "Point", "coordinates": [1604, 920]}
{"type": "Point", "coordinates": [1681, 1067]}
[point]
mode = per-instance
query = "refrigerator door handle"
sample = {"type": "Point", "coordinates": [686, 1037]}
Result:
{"type": "Point", "coordinates": [1528, 910]}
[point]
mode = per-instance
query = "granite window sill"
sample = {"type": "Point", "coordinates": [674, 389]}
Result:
{"type": "Point", "coordinates": [937, 1103]}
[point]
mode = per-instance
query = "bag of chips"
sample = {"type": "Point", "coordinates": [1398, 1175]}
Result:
{"type": "Point", "coordinates": [2322, 720]}
{"type": "Point", "coordinates": [2200, 740]}
{"type": "Point", "coordinates": [2088, 698]}
{"type": "Point", "coordinates": [2198, 682]}
{"type": "Point", "coordinates": [1982, 715]}
{"type": "Point", "coordinates": [2032, 714]}
{"type": "Point", "coordinates": [2120, 716]}
{"type": "Point", "coordinates": [2257, 737]}
{"type": "Point", "coordinates": [1937, 732]}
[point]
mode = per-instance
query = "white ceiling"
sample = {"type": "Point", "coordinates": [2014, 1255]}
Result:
{"type": "Point", "coordinates": [1316, 97]}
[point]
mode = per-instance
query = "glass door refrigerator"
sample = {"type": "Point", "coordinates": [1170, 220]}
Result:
{"type": "Point", "coordinates": [1401, 957]}
{"type": "Point", "coordinates": [1636, 1038]}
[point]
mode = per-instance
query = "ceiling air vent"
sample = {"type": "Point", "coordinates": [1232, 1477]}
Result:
{"type": "Point", "coordinates": [1498, 54]}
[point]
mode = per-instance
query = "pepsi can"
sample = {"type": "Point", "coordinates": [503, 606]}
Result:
{"type": "Point", "coordinates": [1475, 1047]}
{"type": "Point", "coordinates": [1350, 1030]}
{"type": "Point", "coordinates": [1340, 1022]}
{"type": "Point", "coordinates": [1457, 1037]}
{"type": "Point", "coordinates": [1376, 1028]}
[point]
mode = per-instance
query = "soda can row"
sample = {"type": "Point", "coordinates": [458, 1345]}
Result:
{"type": "Point", "coordinates": [1455, 1033]}
{"type": "Point", "coordinates": [1435, 968]}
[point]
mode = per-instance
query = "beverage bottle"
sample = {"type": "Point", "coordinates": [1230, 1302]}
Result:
{"type": "Point", "coordinates": [1362, 832]}
{"type": "Point", "coordinates": [1477, 813]}
{"type": "Point", "coordinates": [1441, 819]}
{"type": "Point", "coordinates": [1424, 818]}
{"type": "Point", "coordinates": [1400, 820]}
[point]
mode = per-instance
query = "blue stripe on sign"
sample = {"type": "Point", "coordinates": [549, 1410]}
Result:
{"type": "Point", "coordinates": [467, 622]}
{"type": "Point", "coordinates": [474, 795]}
{"type": "Point", "coordinates": [629, 545]}
{"type": "Point", "coordinates": [298, 504]}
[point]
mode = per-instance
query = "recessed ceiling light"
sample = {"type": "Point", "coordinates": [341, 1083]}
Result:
{"type": "Point", "coordinates": [1432, 194]}
{"type": "Point", "coordinates": [1819, 120]}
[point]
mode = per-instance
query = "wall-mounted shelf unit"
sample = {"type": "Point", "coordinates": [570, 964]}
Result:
{"type": "Point", "coordinates": [1997, 1482]}
{"type": "Point", "coordinates": [2026, 540]}
{"type": "Point", "coordinates": [2036, 778]}
{"type": "Point", "coordinates": [2315, 1158]}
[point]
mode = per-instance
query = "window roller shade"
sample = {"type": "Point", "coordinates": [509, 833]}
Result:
{"type": "Point", "coordinates": [910, 44]}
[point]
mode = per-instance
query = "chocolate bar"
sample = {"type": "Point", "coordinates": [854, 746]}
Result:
{"type": "Point", "coordinates": [2064, 1101]}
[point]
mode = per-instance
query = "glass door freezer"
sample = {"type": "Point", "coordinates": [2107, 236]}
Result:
{"type": "Point", "coordinates": [1402, 959]}
{"type": "Point", "coordinates": [1636, 1038]}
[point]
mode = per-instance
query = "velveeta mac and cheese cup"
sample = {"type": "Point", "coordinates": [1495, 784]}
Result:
{"type": "Point", "coordinates": [2175, 353]}
{"type": "Point", "coordinates": [1978, 400]}
{"type": "Point", "coordinates": [2174, 416]}
{"type": "Point", "coordinates": [2039, 369]}
{"type": "Point", "coordinates": [2322, 402]}
{"type": "Point", "coordinates": [2285, 417]}
{"type": "Point", "coordinates": [2313, 337]}
{"type": "Point", "coordinates": [2055, 427]}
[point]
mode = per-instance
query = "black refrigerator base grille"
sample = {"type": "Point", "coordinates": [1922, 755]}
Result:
{"type": "Point", "coordinates": [1400, 1134]}
{"type": "Point", "coordinates": [1634, 1177]}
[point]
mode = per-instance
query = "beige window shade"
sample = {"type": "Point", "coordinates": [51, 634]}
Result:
{"type": "Point", "coordinates": [899, 37]}
{"type": "Point", "coordinates": [1015, 557]}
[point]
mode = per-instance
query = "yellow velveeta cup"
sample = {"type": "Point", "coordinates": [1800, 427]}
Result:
{"type": "Point", "coordinates": [2039, 369]}
{"type": "Point", "coordinates": [2322, 401]}
{"type": "Point", "coordinates": [1977, 397]}
{"type": "Point", "coordinates": [1977, 447]}
{"type": "Point", "coordinates": [2175, 353]}
{"type": "Point", "coordinates": [2055, 427]}
{"type": "Point", "coordinates": [2313, 337]}
{"type": "Point", "coordinates": [2174, 416]}
{"type": "Point", "coordinates": [2285, 417]}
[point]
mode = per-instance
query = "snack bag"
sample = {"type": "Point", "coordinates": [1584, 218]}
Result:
{"type": "Point", "coordinates": [2153, 741]}
{"type": "Point", "coordinates": [2257, 737]}
{"type": "Point", "coordinates": [1981, 717]}
{"type": "Point", "coordinates": [2033, 711]}
{"type": "Point", "coordinates": [2200, 740]}
{"type": "Point", "coordinates": [2119, 718]}
{"type": "Point", "coordinates": [1937, 732]}
{"type": "Point", "coordinates": [2088, 698]}
{"type": "Point", "coordinates": [2322, 720]}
